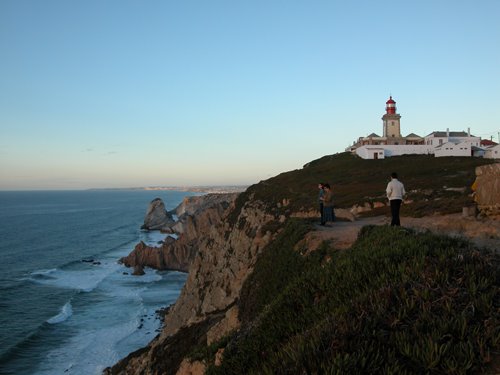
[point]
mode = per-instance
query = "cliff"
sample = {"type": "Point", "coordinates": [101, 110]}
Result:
{"type": "Point", "coordinates": [201, 214]}
{"type": "Point", "coordinates": [224, 244]}
{"type": "Point", "coordinates": [221, 244]}
{"type": "Point", "coordinates": [157, 218]}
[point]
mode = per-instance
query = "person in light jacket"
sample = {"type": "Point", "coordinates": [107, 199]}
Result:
{"type": "Point", "coordinates": [395, 193]}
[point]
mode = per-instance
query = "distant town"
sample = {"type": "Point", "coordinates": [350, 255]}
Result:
{"type": "Point", "coordinates": [201, 189]}
{"type": "Point", "coordinates": [195, 189]}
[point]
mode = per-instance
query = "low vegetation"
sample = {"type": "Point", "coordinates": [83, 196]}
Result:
{"type": "Point", "coordinates": [397, 302]}
{"type": "Point", "coordinates": [433, 184]}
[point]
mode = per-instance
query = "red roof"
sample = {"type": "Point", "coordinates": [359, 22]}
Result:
{"type": "Point", "coordinates": [390, 101]}
{"type": "Point", "coordinates": [487, 142]}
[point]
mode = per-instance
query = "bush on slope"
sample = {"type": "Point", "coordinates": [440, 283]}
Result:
{"type": "Point", "coordinates": [396, 302]}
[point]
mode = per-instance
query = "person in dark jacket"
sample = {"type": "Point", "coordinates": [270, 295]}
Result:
{"type": "Point", "coordinates": [328, 212]}
{"type": "Point", "coordinates": [321, 194]}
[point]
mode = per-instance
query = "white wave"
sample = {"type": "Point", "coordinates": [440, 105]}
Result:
{"type": "Point", "coordinates": [152, 238]}
{"type": "Point", "coordinates": [38, 275]}
{"type": "Point", "coordinates": [103, 334]}
{"type": "Point", "coordinates": [149, 276]}
{"type": "Point", "coordinates": [107, 329]}
{"type": "Point", "coordinates": [43, 272]}
{"type": "Point", "coordinates": [85, 279]}
{"type": "Point", "coordinates": [66, 312]}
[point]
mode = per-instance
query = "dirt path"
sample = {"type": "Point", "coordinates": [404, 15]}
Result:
{"type": "Point", "coordinates": [342, 234]}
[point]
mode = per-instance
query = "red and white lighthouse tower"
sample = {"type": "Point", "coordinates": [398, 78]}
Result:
{"type": "Point", "coordinates": [391, 120]}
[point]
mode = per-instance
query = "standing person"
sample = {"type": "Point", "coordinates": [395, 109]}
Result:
{"type": "Point", "coordinates": [395, 193]}
{"type": "Point", "coordinates": [328, 213]}
{"type": "Point", "coordinates": [321, 194]}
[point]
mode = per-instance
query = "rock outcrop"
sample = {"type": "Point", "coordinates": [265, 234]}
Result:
{"type": "Point", "coordinates": [157, 217]}
{"type": "Point", "coordinates": [227, 245]}
{"type": "Point", "coordinates": [171, 255]}
{"type": "Point", "coordinates": [487, 189]}
{"type": "Point", "coordinates": [204, 212]}
{"type": "Point", "coordinates": [193, 209]}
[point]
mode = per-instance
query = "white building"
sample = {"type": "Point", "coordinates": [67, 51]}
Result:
{"type": "Point", "coordinates": [439, 138]}
{"type": "Point", "coordinates": [438, 143]}
{"type": "Point", "coordinates": [370, 152]}
{"type": "Point", "coordinates": [453, 149]}
{"type": "Point", "coordinates": [492, 152]}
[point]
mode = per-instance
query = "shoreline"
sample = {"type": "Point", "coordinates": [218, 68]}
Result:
{"type": "Point", "coordinates": [215, 189]}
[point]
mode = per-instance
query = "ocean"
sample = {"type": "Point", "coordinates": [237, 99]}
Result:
{"type": "Point", "coordinates": [66, 305]}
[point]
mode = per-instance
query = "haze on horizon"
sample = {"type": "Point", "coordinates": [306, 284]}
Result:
{"type": "Point", "coordinates": [124, 93]}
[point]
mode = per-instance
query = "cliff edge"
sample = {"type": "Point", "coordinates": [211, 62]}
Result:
{"type": "Point", "coordinates": [220, 245]}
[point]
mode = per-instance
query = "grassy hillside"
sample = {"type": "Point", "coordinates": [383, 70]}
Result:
{"type": "Point", "coordinates": [356, 180]}
{"type": "Point", "coordinates": [397, 302]}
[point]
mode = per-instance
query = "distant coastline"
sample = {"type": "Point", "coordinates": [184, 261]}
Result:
{"type": "Point", "coordinates": [195, 189]}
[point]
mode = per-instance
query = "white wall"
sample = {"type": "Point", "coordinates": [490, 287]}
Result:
{"type": "Point", "coordinates": [492, 152]}
{"type": "Point", "coordinates": [451, 149]}
{"type": "Point", "coordinates": [434, 141]}
{"type": "Point", "coordinates": [397, 150]}
{"type": "Point", "coordinates": [367, 152]}
{"type": "Point", "coordinates": [447, 149]}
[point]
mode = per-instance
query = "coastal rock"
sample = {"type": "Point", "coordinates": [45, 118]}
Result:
{"type": "Point", "coordinates": [226, 252]}
{"type": "Point", "coordinates": [157, 217]}
{"type": "Point", "coordinates": [166, 257]}
{"type": "Point", "coordinates": [226, 255]}
{"type": "Point", "coordinates": [138, 270]}
{"type": "Point", "coordinates": [487, 189]}
{"type": "Point", "coordinates": [193, 205]}
{"type": "Point", "coordinates": [191, 228]}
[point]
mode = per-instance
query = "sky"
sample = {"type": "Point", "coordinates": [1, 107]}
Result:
{"type": "Point", "coordinates": [120, 93]}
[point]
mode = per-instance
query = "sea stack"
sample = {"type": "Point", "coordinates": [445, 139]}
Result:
{"type": "Point", "coordinates": [157, 217]}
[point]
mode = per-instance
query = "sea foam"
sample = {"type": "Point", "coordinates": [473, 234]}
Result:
{"type": "Point", "coordinates": [66, 312]}
{"type": "Point", "coordinates": [85, 279]}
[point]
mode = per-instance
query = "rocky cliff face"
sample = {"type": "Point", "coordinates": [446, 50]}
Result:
{"type": "Point", "coordinates": [487, 188]}
{"type": "Point", "coordinates": [204, 212]}
{"type": "Point", "coordinates": [227, 243]}
{"type": "Point", "coordinates": [157, 217]}
{"type": "Point", "coordinates": [194, 204]}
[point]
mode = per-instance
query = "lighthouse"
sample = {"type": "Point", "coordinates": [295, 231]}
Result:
{"type": "Point", "coordinates": [391, 120]}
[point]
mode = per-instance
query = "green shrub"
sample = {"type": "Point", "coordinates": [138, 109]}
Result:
{"type": "Point", "coordinates": [355, 180]}
{"type": "Point", "coordinates": [278, 264]}
{"type": "Point", "coordinates": [397, 302]}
